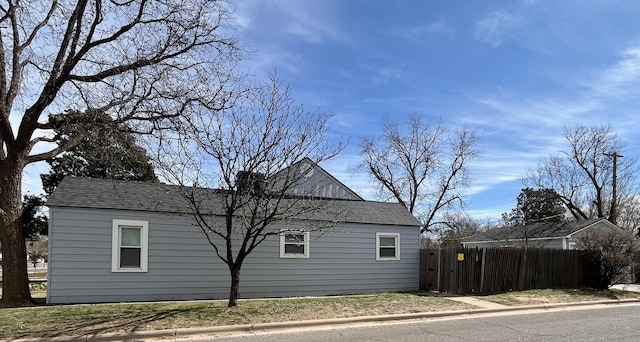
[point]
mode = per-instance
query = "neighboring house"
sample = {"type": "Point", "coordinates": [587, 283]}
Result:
{"type": "Point", "coordinates": [558, 235]}
{"type": "Point", "coordinates": [113, 241]}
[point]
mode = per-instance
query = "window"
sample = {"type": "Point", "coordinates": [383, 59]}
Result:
{"type": "Point", "coordinates": [294, 244]}
{"type": "Point", "coordinates": [129, 246]}
{"type": "Point", "coordinates": [387, 246]}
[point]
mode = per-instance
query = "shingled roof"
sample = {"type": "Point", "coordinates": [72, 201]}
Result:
{"type": "Point", "coordinates": [94, 193]}
{"type": "Point", "coordinates": [548, 230]}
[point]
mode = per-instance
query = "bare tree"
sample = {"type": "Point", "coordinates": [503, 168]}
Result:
{"type": "Point", "coordinates": [612, 254]}
{"type": "Point", "coordinates": [255, 156]}
{"type": "Point", "coordinates": [37, 249]}
{"type": "Point", "coordinates": [425, 169]}
{"type": "Point", "coordinates": [146, 63]}
{"type": "Point", "coordinates": [629, 214]}
{"type": "Point", "coordinates": [582, 175]}
{"type": "Point", "coordinates": [459, 226]}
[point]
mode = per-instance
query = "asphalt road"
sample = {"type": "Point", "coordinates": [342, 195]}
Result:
{"type": "Point", "coordinates": [613, 323]}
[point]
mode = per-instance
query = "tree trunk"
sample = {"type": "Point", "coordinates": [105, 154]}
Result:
{"type": "Point", "coordinates": [15, 282]}
{"type": "Point", "coordinates": [235, 287]}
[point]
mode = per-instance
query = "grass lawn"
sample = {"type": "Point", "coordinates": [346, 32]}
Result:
{"type": "Point", "coordinates": [61, 320]}
{"type": "Point", "coordinates": [50, 321]}
{"type": "Point", "coordinates": [546, 296]}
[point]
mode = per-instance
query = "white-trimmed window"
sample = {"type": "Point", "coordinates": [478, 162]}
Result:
{"type": "Point", "coordinates": [387, 246]}
{"type": "Point", "coordinates": [130, 246]}
{"type": "Point", "coordinates": [294, 244]}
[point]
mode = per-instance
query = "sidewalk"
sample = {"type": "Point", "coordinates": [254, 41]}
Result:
{"type": "Point", "coordinates": [477, 302]}
{"type": "Point", "coordinates": [626, 287]}
{"type": "Point", "coordinates": [482, 307]}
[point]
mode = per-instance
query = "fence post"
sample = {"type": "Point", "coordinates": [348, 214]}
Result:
{"type": "Point", "coordinates": [484, 254]}
{"type": "Point", "coordinates": [439, 268]}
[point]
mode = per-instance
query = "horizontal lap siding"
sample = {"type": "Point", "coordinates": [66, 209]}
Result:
{"type": "Point", "coordinates": [182, 265]}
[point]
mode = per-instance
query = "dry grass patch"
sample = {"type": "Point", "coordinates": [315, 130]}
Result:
{"type": "Point", "coordinates": [50, 321]}
{"type": "Point", "coordinates": [548, 296]}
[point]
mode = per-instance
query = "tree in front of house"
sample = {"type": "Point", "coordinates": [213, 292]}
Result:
{"type": "Point", "coordinates": [612, 256]}
{"type": "Point", "coordinates": [107, 151]}
{"type": "Point", "coordinates": [252, 155]}
{"type": "Point", "coordinates": [147, 64]}
{"type": "Point", "coordinates": [38, 250]}
{"type": "Point", "coordinates": [535, 205]}
{"type": "Point", "coordinates": [583, 175]}
{"type": "Point", "coordinates": [421, 166]}
{"type": "Point", "coordinates": [459, 227]}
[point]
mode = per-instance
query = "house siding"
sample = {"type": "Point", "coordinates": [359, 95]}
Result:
{"type": "Point", "coordinates": [182, 265]}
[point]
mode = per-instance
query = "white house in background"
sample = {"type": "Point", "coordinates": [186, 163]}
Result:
{"type": "Point", "coordinates": [559, 235]}
{"type": "Point", "coordinates": [114, 241]}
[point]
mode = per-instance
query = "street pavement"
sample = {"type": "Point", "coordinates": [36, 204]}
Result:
{"type": "Point", "coordinates": [620, 323]}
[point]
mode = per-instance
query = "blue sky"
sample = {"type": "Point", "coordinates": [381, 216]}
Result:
{"type": "Point", "coordinates": [518, 72]}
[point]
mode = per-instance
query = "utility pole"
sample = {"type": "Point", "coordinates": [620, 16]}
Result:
{"type": "Point", "coordinates": [613, 214]}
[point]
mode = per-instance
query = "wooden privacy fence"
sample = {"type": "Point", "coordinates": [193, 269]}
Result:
{"type": "Point", "coordinates": [489, 270]}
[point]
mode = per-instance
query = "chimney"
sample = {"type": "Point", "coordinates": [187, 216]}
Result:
{"type": "Point", "coordinates": [251, 183]}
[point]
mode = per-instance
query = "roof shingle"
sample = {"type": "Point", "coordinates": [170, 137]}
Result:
{"type": "Point", "coordinates": [533, 231]}
{"type": "Point", "coordinates": [123, 195]}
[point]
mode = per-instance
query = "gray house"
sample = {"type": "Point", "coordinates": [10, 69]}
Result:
{"type": "Point", "coordinates": [558, 235]}
{"type": "Point", "coordinates": [114, 241]}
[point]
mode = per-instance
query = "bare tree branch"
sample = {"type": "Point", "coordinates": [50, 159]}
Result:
{"type": "Point", "coordinates": [252, 154]}
{"type": "Point", "coordinates": [148, 64]}
{"type": "Point", "coordinates": [582, 175]}
{"type": "Point", "coordinates": [424, 169]}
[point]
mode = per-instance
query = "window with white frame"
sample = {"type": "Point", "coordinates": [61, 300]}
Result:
{"type": "Point", "coordinates": [387, 246]}
{"type": "Point", "coordinates": [130, 246]}
{"type": "Point", "coordinates": [294, 244]}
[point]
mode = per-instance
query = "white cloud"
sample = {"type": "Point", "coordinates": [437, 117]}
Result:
{"type": "Point", "coordinates": [620, 80]}
{"type": "Point", "coordinates": [310, 22]}
{"type": "Point", "coordinates": [388, 74]}
{"type": "Point", "coordinates": [520, 129]}
{"type": "Point", "coordinates": [497, 27]}
{"type": "Point", "coordinates": [242, 14]}
{"type": "Point", "coordinates": [437, 27]}
{"type": "Point", "coordinates": [270, 58]}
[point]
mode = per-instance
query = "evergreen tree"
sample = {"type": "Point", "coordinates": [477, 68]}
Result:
{"type": "Point", "coordinates": [34, 221]}
{"type": "Point", "coordinates": [536, 205]}
{"type": "Point", "coordinates": [108, 151]}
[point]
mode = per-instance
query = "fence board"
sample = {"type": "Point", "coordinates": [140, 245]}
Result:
{"type": "Point", "coordinates": [491, 270]}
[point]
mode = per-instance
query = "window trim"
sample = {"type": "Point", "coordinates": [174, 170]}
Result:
{"type": "Point", "coordinates": [283, 234]}
{"type": "Point", "coordinates": [396, 237]}
{"type": "Point", "coordinates": [116, 245]}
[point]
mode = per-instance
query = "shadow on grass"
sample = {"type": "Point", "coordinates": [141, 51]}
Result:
{"type": "Point", "coordinates": [70, 322]}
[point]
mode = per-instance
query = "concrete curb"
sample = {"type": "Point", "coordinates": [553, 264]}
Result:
{"type": "Point", "coordinates": [183, 332]}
